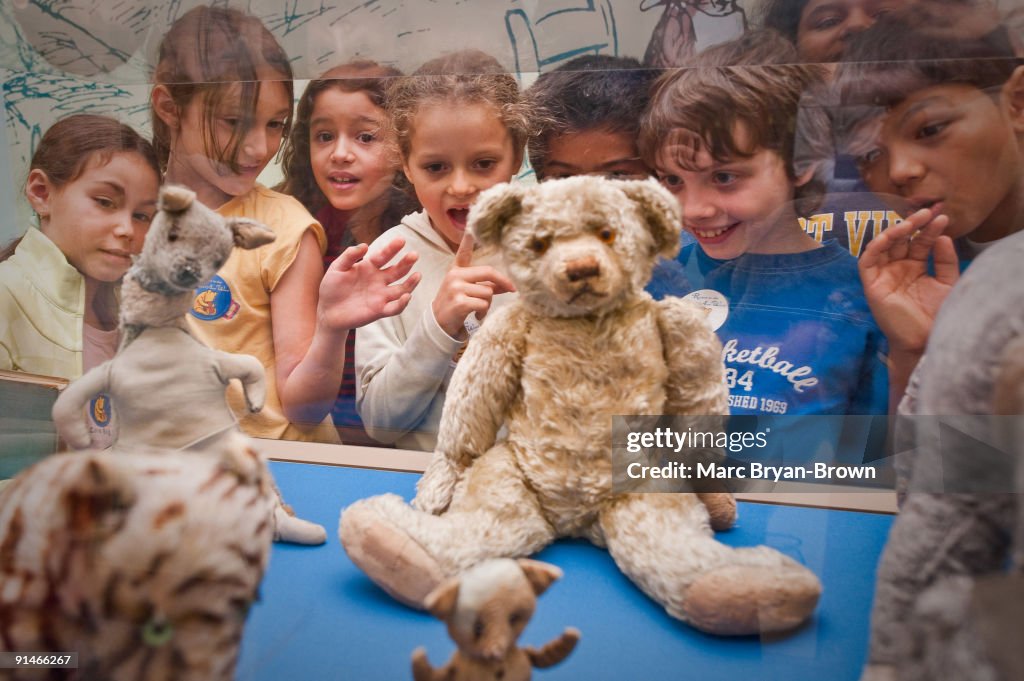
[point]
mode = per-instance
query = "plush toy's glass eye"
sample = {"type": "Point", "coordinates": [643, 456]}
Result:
{"type": "Point", "coordinates": [478, 629]}
{"type": "Point", "coordinates": [156, 632]}
{"type": "Point", "coordinates": [540, 244]}
{"type": "Point", "coordinates": [516, 618]}
{"type": "Point", "coordinates": [172, 234]}
{"type": "Point", "coordinates": [606, 235]}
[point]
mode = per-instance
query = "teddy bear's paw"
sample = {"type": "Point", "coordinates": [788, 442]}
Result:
{"type": "Point", "coordinates": [387, 554]}
{"type": "Point", "coordinates": [751, 599]}
{"type": "Point", "coordinates": [288, 528]}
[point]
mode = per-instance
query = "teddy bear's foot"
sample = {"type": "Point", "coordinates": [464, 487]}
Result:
{"type": "Point", "coordinates": [288, 528]}
{"type": "Point", "coordinates": [721, 508]}
{"type": "Point", "coordinates": [388, 555]}
{"type": "Point", "coordinates": [737, 600]}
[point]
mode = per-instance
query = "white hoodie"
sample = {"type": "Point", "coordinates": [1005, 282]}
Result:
{"type": "Point", "coordinates": [404, 363]}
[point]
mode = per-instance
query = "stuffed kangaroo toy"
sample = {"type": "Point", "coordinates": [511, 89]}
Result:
{"type": "Point", "coordinates": [167, 387]}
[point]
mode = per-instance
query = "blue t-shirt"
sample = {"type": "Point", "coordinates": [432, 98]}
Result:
{"type": "Point", "coordinates": [798, 340]}
{"type": "Point", "coordinates": [797, 334]}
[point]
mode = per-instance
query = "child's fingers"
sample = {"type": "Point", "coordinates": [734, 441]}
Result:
{"type": "Point", "coordinates": [502, 284]}
{"type": "Point", "coordinates": [486, 273]}
{"type": "Point", "coordinates": [922, 243]}
{"type": "Point", "coordinates": [406, 286]}
{"type": "Point", "coordinates": [349, 257]}
{"type": "Point", "coordinates": [947, 267]}
{"type": "Point", "coordinates": [400, 268]}
{"type": "Point", "coordinates": [396, 306]}
{"type": "Point", "coordinates": [464, 256]}
{"type": "Point", "coordinates": [482, 290]}
{"type": "Point", "coordinates": [893, 243]}
{"type": "Point", "coordinates": [389, 251]}
{"type": "Point", "coordinates": [877, 253]}
{"type": "Point", "coordinates": [476, 305]}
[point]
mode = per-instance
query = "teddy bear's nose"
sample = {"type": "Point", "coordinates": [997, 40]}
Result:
{"type": "Point", "coordinates": [582, 268]}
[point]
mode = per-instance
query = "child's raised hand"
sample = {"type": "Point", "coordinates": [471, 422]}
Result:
{"type": "Point", "coordinates": [904, 297]}
{"type": "Point", "coordinates": [467, 289]}
{"type": "Point", "coordinates": [357, 290]}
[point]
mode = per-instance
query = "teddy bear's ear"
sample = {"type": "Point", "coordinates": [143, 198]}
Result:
{"type": "Point", "coordinates": [175, 199]}
{"type": "Point", "coordinates": [493, 209]}
{"type": "Point", "coordinates": [249, 234]}
{"type": "Point", "coordinates": [661, 212]}
{"type": "Point", "coordinates": [539, 575]}
{"type": "Point", "coordinates": [441, 601]}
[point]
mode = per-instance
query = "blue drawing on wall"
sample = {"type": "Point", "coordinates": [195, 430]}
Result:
{"type": "Point", "coordinates": [540, 43]}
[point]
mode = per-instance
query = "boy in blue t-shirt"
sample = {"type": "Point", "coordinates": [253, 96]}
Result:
{"type": "Point", "coordinates": [796, 331]}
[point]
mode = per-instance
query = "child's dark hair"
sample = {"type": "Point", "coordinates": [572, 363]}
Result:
{"type": "Point", "coordinates": [72, 143]}
{"type": "Point", "coordinates": [754, 81]}
{"type": "Point", "coordinates": [366, 76]}
{"type": "Point", "coordinates": [783, 16]}
{"type": "Point", "coordinates": [469, 76]}
{"type": "Point", "coordinates": [896, 57]}
{"type": "Point", "coordinates": [590, 92]}
{"type": "Point", "coordinates": [207, 51]}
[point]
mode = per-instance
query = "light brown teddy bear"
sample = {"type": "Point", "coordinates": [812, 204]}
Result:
{"type": "Point", "coordinates": [486, 608]}
{"type": "Point", "coordinates": [583, 342]}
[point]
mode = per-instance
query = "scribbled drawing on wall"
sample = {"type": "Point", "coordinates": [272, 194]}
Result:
{"type": "Point", "coordinates": [539, 44]}
{"type": "Point", "coordinates": [63, 56]}
{"type": "Point", "coordinates": [679, 32]}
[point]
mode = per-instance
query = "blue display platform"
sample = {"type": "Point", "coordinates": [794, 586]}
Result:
{"type": "Point", "coordinates": [321, 618]}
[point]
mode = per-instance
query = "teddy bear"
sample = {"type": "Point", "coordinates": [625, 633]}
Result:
{"type": "Point", "coordinates": [582, 342]}
{"type": "Point", "coordinates": [961, 522]}
{"type": "Point", "coordinates": [167, 386]}
{"type": "Point", "coordinates": [145, 565]}
{"type": "Point", "coordinates": [486, 608]}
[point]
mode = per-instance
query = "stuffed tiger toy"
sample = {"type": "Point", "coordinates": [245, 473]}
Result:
{"type": "Point", "coordinates": [145, 565]}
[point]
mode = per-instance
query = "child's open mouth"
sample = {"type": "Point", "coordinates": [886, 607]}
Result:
{"type": "Point", "coordinates": [343, 181]}
{"type": "Point", "coordinates": [458, 216]}
{"type": "Point", "coordinates": [715, 235]}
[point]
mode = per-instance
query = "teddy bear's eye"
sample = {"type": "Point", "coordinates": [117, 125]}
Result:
{"type": "Point", "coordinates": [478, 629]}
{"type": "Point", "coordinates": [515, 618]}
{"type": "Point", "coordinates": [606, 235]}
{"type": "Point", "coordinates": [539, 245]}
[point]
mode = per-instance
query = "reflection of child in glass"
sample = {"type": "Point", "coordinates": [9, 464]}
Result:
{"type": "Point", "coordinates": [939, 124]}
{"type": "Point", "coordinates": [222, 103]}
{"type": "Point", "coordinates": [587, 118]}
{"type": "Point", "coordinates": [797, 334]}
{"type": "Point", "coordinates": [93, 183]}
{"type": "Point", "coordinates": [338, 164]}
{"type": "Point", "coordinates": [821, 29]}
{"type": "Point", "coordinates": [460, 126]}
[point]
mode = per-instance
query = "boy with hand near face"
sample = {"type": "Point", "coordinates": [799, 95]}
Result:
{"type": "Point", "coordinates": [939, 124]}
{"type": "Point", "coordinates": [797, 334]}
{"type": "Point", "coordinates": [937, 118]}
